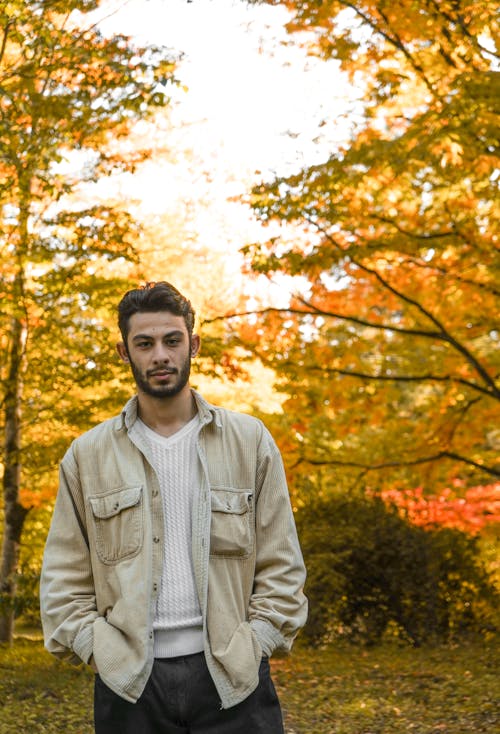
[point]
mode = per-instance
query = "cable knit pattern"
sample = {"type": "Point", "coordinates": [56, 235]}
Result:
{"type": "Point", "coordinates": [178, 618]}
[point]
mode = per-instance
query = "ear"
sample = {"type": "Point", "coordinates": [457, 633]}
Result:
{"type": "Point", "coordinates": [122, 351]}
{"type": "Point", "coordinates": [195, 345]}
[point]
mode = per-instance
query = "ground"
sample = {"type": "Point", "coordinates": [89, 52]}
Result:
{"type": "Point", "coordinates": [342, 689]}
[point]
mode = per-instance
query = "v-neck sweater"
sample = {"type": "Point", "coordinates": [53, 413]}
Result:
{"type": "Point", "coordinates": [177, 624]}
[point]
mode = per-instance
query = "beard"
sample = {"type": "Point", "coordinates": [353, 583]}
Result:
{"type": "Point", "coordinates": [163, 391]}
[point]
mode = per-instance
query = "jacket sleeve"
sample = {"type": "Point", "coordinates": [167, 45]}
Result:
{"type": "Point", "coordinates": [278, 607]}
{"type": "Point", "coordinates": [67, 594]}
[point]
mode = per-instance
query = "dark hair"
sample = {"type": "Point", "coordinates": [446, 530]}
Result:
{"type": "Point", "coordinates": [153, 297]}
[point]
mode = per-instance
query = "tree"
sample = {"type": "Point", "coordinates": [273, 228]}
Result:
{"type": "Point", "coordinates": [380, 574]}
{"type": "Point", "coordinates": [69, 98]}
{"type": "Point", "coordinates": [390, 357]}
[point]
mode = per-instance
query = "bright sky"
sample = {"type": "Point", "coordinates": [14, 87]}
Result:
{"type": "Point", "coordinates": [246, 88]}
{"type": "Point", "coordinates": [256, 105]}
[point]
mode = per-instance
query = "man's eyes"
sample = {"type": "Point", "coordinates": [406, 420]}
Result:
{"type": "Point", "coordinates": [172, 342]}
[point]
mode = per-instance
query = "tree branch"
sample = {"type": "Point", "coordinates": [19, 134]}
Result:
{"type": "Point", "coordinates": [382, 280]}
{"type": "Point", "coordinates": [414, 235]}
{"type": "Point", "coordinates": [4, 38]}
{"type": "Point", "coordinates": [394, 40]}
{"type": "Point", "coordinates": [458, 20]}
{"type": "Point", "coordinates": [454, 276]}
{"type": "Point", "coordinates": [400, 463]}
{"type": "Point", "coordinates": [456, 421]}
{"type": "Point", "coordinates": [442, 334]}
{"type": "Point", "coordinates": [394, 378]}
{"type": "Point", "coordinates": [313, 310]}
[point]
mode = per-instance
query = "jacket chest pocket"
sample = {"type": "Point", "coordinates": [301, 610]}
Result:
{"type": "Point", "coordinates": [232, 523]}
{"type": "Point", "coordinates": [118, 521]}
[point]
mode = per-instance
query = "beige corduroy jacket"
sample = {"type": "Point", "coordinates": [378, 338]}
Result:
{"type": "Point", "coordinates": [103, 557]}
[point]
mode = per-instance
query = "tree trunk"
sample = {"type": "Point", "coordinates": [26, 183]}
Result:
{"type": "Point", "coordinates": [14, 512]}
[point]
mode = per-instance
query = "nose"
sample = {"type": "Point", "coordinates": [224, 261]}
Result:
{"type": "Point", "coordinates": [160, 354]}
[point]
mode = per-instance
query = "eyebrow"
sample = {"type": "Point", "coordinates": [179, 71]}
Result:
{"type": "Point", "coordinates": [175, 332]}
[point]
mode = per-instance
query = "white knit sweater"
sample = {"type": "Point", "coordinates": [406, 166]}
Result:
{"type": "Point", "coordinates": [178, 620]}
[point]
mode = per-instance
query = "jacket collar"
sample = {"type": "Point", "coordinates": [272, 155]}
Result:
{"type": "Point", "coordinates": [206, 411]}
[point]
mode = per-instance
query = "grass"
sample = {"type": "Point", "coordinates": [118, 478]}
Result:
{"type": "Point", "coordinates": [339, 690]}
{"type": "Point", "coordinates": [41, 695]}
{"type": "Point", "coordinates": [391, 690]}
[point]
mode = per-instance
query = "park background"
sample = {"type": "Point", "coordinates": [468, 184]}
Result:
{"type": "Point", "coordinates": [321, 178]}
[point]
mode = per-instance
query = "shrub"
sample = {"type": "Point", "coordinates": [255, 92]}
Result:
{"type": "Point", "coordinates": [371, 571]}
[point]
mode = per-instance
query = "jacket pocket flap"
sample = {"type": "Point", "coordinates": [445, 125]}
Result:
{"type": "Point", "coordinates": [230, 501]}
{"type": "Point", "coordinates": [113, 503]}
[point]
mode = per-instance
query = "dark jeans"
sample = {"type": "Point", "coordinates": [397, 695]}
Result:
{"type": "Point", "coordinates": [180, 698]}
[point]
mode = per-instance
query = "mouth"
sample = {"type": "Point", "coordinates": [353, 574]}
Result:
{"type": "Point", "coordinates": [162, 373]}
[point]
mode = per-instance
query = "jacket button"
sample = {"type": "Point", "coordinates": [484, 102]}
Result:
{"type": "Point", "coordinates": [156, 539]}
{"type": "Point", "coordinates": [155, 493]}
{"type": "Point", "coordinates": [155, 587]}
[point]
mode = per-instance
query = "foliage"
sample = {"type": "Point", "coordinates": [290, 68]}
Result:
{"type": "Point", "coordinates": [66, 91]}
{"type": "Point", "coordinates": [478, 508]}
{"type": "Point", "coordinates": [69, 99]}
{"type": "Point", "coordinates": [371, 572]}
{"type": "Point", "coordinates": [337, 690]}
{"type": "Point", "coordinates": [27, 600]}
{"type": "Point", "coordinates": [390, 689]}
{"type": "Point", "coordinates": [389, 356]}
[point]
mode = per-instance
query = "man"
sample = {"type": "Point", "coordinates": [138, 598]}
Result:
{"type": "Point", "coordinates": [172, 564]}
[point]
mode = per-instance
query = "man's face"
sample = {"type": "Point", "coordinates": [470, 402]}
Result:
{"type": "Point", "coordinates": [159, 352]}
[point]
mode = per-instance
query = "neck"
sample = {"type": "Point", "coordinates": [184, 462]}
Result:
{"type": "Point", "coordinates": [167, 415]}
